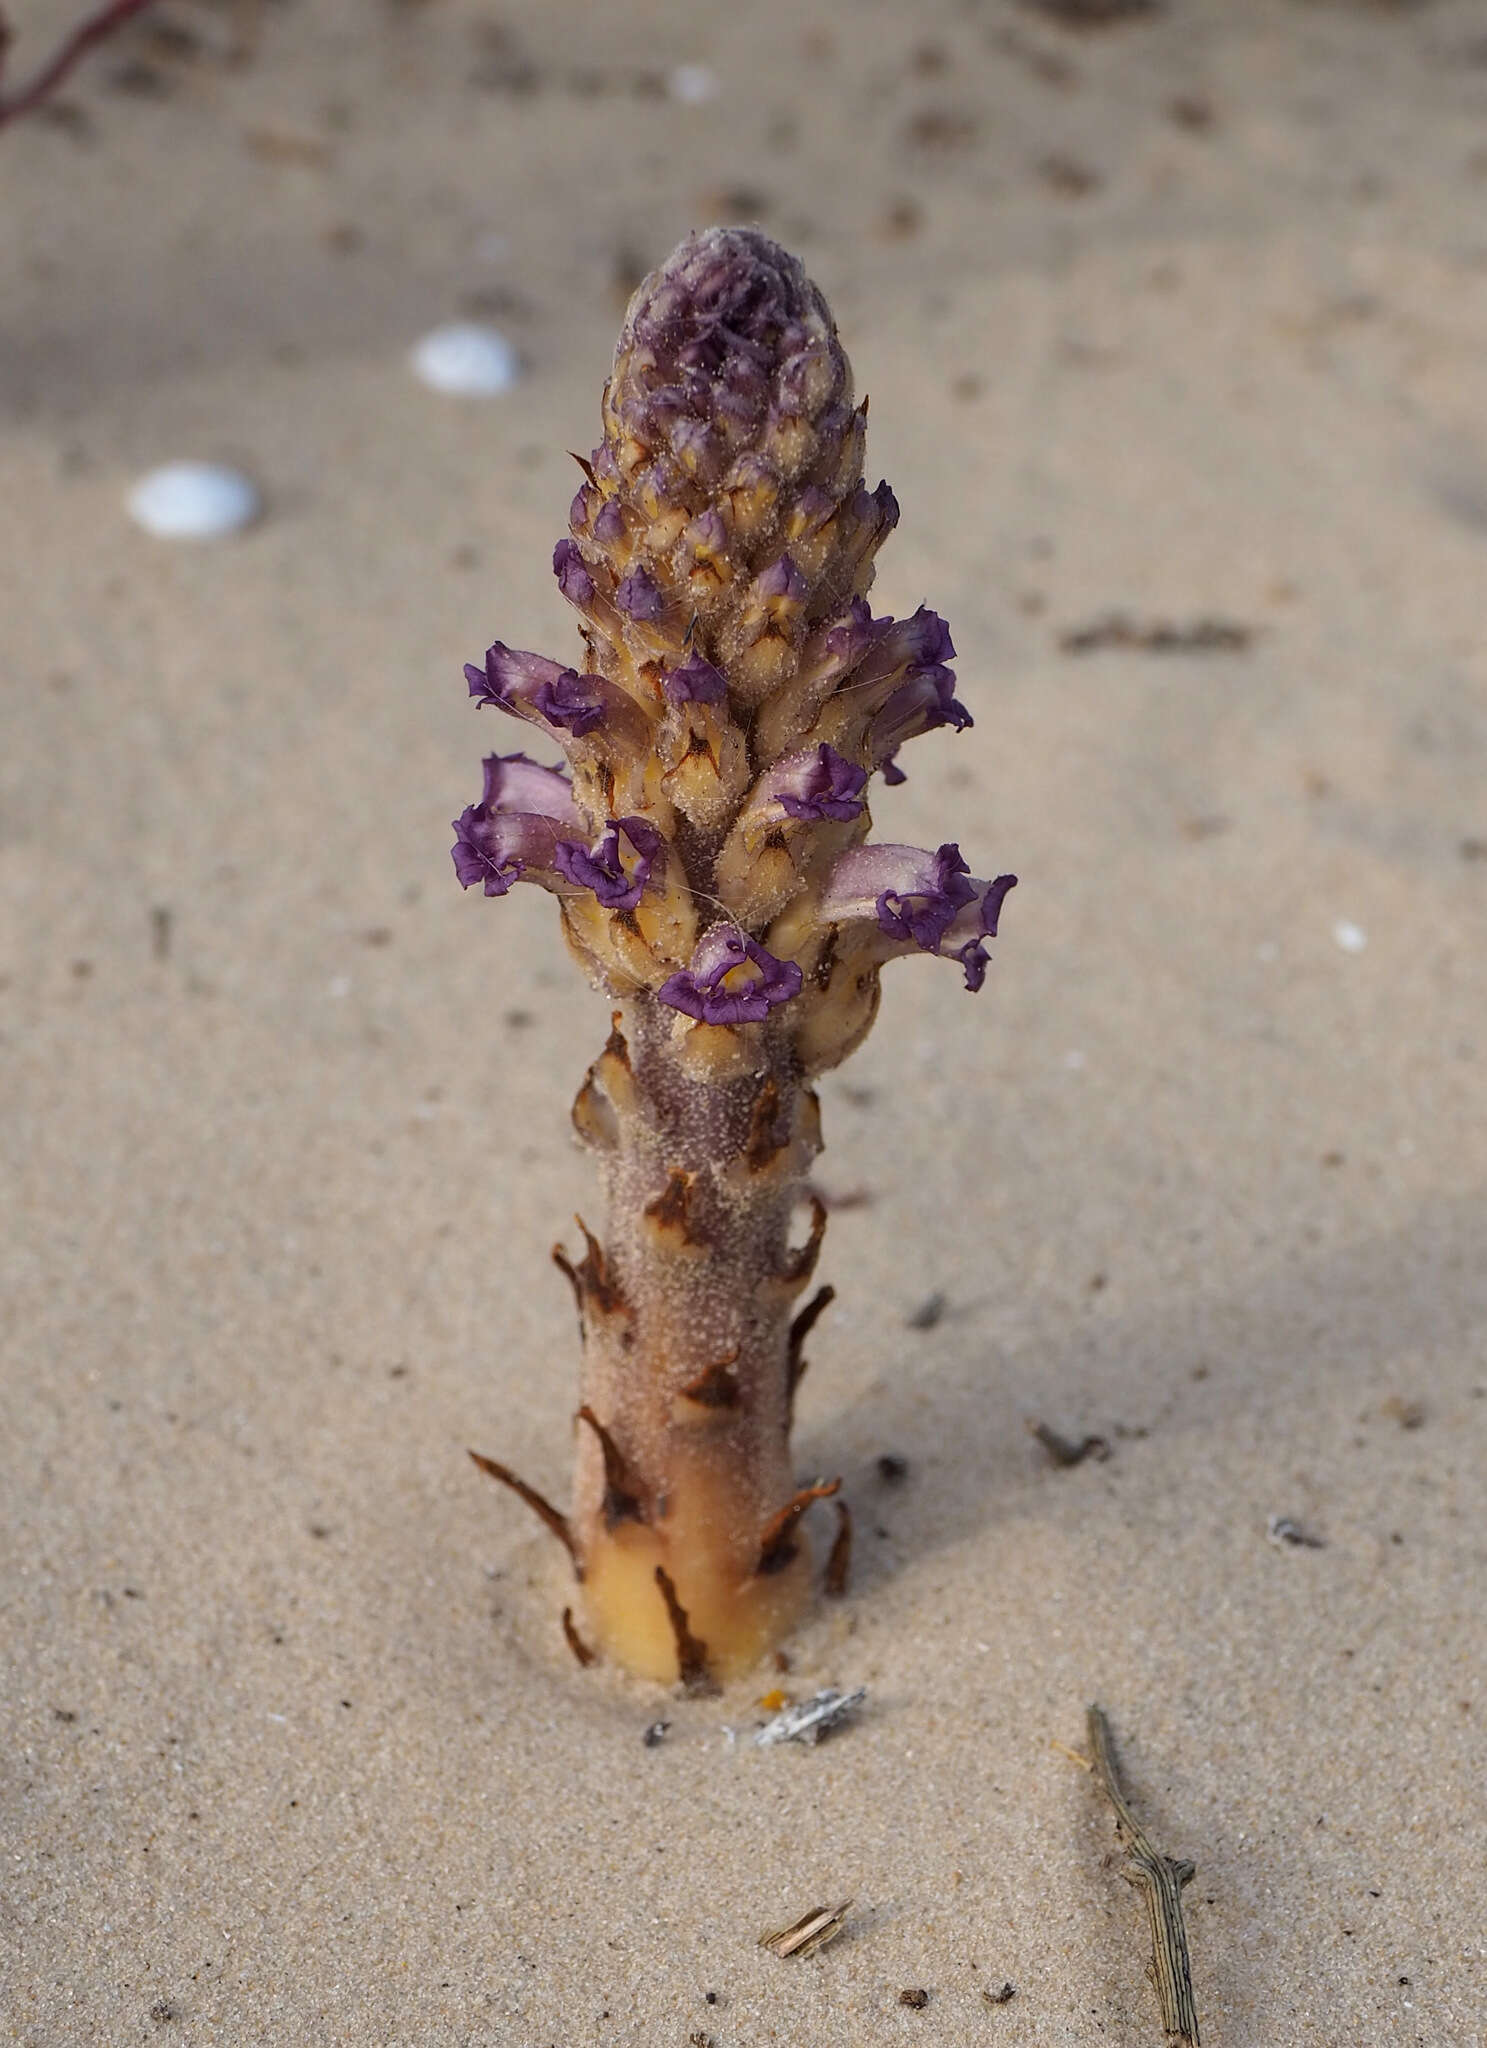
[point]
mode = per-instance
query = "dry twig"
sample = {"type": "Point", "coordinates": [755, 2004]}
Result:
{"type": "Point", "coordinates": [810, 1933]}
{"type": "Point", "coordinates": [103, 22]}
{"type": "Point", "coordinates": [1160, 1880]}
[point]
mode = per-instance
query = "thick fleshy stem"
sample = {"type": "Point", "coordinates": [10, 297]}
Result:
{"type": "Point", "coordinates": [709, 850]}
{"type": "Point", "coordinates": [686, 1313]}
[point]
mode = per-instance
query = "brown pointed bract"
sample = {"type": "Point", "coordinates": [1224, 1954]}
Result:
{"type": "Point", "coordinates": [542, 1508]}
{"type": "Point", "coordinates": [777, 1545]}
{"type": "Point", "coordinates": [691, 1655]}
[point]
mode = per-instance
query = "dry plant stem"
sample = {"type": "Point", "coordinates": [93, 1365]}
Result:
{"type": "Point", "coordinates": [95, 29]}
{"type": "Point", "coordinates": [1160, 1880]}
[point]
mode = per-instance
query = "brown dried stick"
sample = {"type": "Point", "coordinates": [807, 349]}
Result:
{"type": "Point", "coordinates": [1160, 1880]}
{"type": "Point", "coordinates": [98, 25]}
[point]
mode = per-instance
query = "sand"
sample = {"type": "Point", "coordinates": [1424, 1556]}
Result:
{"type": "Point", "coordinates": [1184, 319]}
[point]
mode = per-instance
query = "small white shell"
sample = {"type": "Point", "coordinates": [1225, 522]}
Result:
{"type": "Point", "coordinates": [1349, 936]}
{"type": "Point", "coordinates": [693, 84]}
{"type": "Point", "coordinates": [466, 360]}
{"type": "Point", "coordinates": [193, 501]}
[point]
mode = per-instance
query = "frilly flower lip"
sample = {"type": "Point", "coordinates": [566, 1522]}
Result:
{"type": "Point", "coordinates": [817, 784]}
{"type": "Point", "coordinates": [600, 867]}
{"type": "Point", "coordinates": [529, 683]}
{"type": "Point", "coordinates": [703, 990]}
{"type": "Point", "coordinates": [919, 899]}
{"type": "Point", "coordinates": [695, 681]}
{"type": "Point", "coordinates": [515, 825]}
{"type": "Point", "coordinates": [924, 896]}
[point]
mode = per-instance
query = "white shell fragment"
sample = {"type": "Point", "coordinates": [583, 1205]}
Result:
{"type": "Point", "coordinates": [1349, 936]}
{"type": "Point", "coordinates": [812, 1718]}
{"type": "Point", "coordinates": [466, 360]}
{"type": "Point", "coordinates": [693, 84]}
{"type": "Point", "coordinates": [193, 501]}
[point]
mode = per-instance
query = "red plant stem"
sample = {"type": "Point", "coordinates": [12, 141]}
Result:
{"type": "Point", "coordinates": [94, 30]}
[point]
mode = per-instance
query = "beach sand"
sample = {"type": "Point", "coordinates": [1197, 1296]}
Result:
{"type": "Point", "coordinates": [1183, 319]}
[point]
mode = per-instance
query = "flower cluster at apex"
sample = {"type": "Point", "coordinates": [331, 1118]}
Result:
{"type": "Point", "coordinates": [709, 843]}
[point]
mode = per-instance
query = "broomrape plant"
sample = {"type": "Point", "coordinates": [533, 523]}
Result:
{"type": "Point", "coordinates": [708, 848]}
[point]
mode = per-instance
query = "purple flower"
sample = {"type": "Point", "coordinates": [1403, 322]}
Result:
{"type": "Point", "coordinates": [925, 640]}
{"type": "Point", "coordinates": [816, 785]}
{"type": "Point", "coordinates": [694, 443]}
{"type": "Point", "coordinates": [696, 681]}
{"type": "Point", "coordinates": [572, 701]}
{"type": "Point", "coordinates": [599, 867]}
{"type": "Point", "coordinates": [509, 676]}
{"type": "Point", "coordinates": [918, 899]}
{"type": "Point", "coordinates": [728, 300]}
{"type": "Point", "coordinates": [708, 531]}
{"type": "Point", "coordinates": [609, 527]}
{"type": "Point", "coordinates": [530, 686]}
{"type": "Point", "coordinates": [919, 705]}
{"type": "Point", "coordinates": [849, 640]}
{"type": "Point", "coordinates": [741, 394]}
{"type": "Point", "coordinates": [901, 649]}
{"type": "Point", "coordinates": [574, 580]}
{"type": "Point", "coordinates": [515, 783]}
{"type": "Point", "coordinates": [702, 990]}
{"type": "Point", "coordinates": [812, 510]}
{"type": "Point", "coordinates": [514, 826]}
{"type": "Point", "coordinates": [973, 955]}
{"type": "Point", "coordinates": [639, 598]}
{"type": "Point", "coordinates": [481, 853]}
{"type": "Point", "coordinates": [878, 509]}
{"type": "Point", "coordinates": [894, 673]}
{"type": "Point", "coordinates": [925, 910]}
{"type": "Point", "coordinates": [781, 579]}
{"type": "Point", "coordinates": [669, 402]}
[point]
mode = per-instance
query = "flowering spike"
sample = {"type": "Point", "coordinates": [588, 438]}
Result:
{"type": "Point", "coordinates": [716, 879]}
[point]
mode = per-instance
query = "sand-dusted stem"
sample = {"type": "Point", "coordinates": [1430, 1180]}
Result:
{"type": "Point", "coordinates": [689, 1368]}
